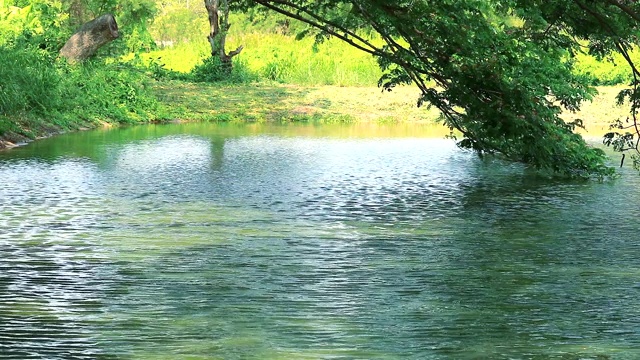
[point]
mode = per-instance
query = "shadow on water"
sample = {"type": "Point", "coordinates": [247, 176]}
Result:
{"type": "Point", "coordinates": [166, 243]}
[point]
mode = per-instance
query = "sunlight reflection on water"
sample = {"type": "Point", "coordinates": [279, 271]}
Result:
{"type": "Point", "coordinates": [220, 244]}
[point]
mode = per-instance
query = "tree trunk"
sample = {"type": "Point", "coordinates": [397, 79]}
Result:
{"type": "Point", "coordinates": [219, 27]}
{"type": "Point", "coordinates": [91, 36]}
{"type": "Point", "coordinates": [77, 13]}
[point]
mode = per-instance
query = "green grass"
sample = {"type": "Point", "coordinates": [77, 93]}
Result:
{"type": "Point", "coordinates": [614, 71]}
{"type": "Point", "coordinates": [271, 51]}
{"type": "Point", "coordinates": [27, 82]}
{"type": "Point", "coordinates": [41, 95]}
{"type": "Point", "coordinates": [29, 87]}
{"type": "Point", "coordinates": [283, 59]}
{"type": "Point", "coordinates": [261, 102]}
{"type": "Point", "coordinates": [276, 79]}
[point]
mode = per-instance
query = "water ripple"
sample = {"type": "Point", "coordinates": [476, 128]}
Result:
{"type": "Point", "coordinates": [185, 246]}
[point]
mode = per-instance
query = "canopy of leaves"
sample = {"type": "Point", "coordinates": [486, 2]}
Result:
{"type": "Point", "coordinates": [499, 71]}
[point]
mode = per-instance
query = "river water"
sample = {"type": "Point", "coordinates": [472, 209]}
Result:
{"type": "Point", "coordinates": [299, 242]}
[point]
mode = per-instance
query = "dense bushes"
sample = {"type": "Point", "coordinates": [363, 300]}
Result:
{"type": "Point", "coordinates": [28, 81]}
{"type": "Point", "coordinates": [112, 92]}
{"type": "Point", "coordinates": [36, 88]}
{"type": "Point", "coordinates": [211, 69]}
{"type": "Point", "coordinates": [40, 93]}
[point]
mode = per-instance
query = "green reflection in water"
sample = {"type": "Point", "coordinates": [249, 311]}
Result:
{"type": "Point", "coordinates": [205, 241]}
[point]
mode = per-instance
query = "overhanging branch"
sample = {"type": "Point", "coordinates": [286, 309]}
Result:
{"type": "Point", "coordinates": [318, 22]}
{"type": "Point", "coordinates": [629, 11]}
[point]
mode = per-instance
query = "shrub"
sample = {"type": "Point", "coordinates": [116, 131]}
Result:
{"type": "Point", "coordinates": [211, 69]}
{"type": "Point", "coordinates": [39, 92]}
{"type": "Point", "coordinates": [98, 91]}
{"type": "Point", "coordinates": [28, 82]}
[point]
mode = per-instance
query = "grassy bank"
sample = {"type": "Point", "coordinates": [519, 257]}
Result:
{"type": "Point", "coordinates": [332, 84]}
{"type": "Point", "coordinates": [41, 95]}
{"type": "Point", "coordinates": [277, 78]}
{"type": "Point", "coordinates": [262, 102]}
{"type": "Point", "coordinates": [185, 101]}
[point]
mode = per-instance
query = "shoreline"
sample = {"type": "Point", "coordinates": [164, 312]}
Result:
{"type": "Point", "coordinates": [265, 103]}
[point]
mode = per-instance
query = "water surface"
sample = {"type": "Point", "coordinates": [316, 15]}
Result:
{"type": "Point", "coordinates": [299, 242]}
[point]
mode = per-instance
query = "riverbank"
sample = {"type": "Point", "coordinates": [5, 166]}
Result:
{"type": "Point", "coordinates": [180, 101]}
{"type": "Point", "coordinates": [289, 103]}
{"type": "Point", "coordinates": [332, 104]}
{"type": "Point", "coordinates": [261, 102]}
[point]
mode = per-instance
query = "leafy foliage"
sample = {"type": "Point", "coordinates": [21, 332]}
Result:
{"type": "Point", "coordinates": [35, 23]}
{"type": "Point", "coordinates": [36, 90]}
{"type": "Point", "coordinates": [47, 24]}
{"type": "Point", "coordinates": [27, 82]}
{"type": "Point", "coordinates": [499, 71]}
{"type": "Point", "coordinates": [178, 23]}
{"type": "Point", "coordinates": [212, 69]}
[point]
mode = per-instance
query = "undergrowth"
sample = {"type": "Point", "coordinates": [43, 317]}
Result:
{"type": "Point", "coordinates": [270, 57]}
{"type": "Point", "coordinates": [272, 52]}
{"type": "Point", "coordinates": [40, 93]}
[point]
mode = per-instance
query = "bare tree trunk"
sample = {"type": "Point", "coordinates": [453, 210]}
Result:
{"type": "Point", "coordinates": [218, 11]}
{"type": "Point", "coordinates": [91, 36]}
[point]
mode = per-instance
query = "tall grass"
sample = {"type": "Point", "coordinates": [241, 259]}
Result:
{"type": "Point", "coordinates": [271, 50]}
{"type": "Point", "coordinates": [283, 59]}
{"type": "Point", "coordinates": [27, 82]}
{"type": "Point", "coordinates": [107, 92]}
{"type": "Point", "coordinates": [29, 87]}
{"type": "Point", "coordinates": [40, 94]}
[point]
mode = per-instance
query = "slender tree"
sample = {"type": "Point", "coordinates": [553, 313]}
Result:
{"type": "Point", "coordinates": [218, 11]}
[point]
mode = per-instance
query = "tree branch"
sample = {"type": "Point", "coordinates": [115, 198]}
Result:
{"type": "Point", "coordinates": [316, 21]}
{"type": "Point", "coordinates": [625, 8]}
